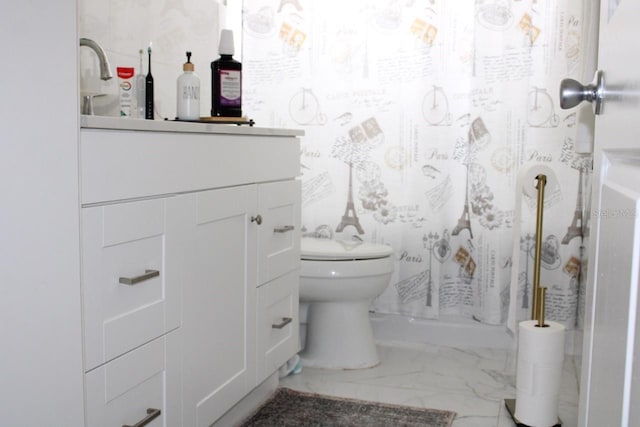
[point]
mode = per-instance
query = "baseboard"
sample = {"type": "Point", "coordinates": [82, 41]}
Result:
{"type": "Point", "coordinates": [452, 331]}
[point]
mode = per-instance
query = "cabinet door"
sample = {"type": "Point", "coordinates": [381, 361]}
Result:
{"type": "Point", "coordinates": [142, 383]}
{"type": "Point", "coordinates": [279, 234]}
{"type": "Point", "coordinates": [138, 243]}
{"type": "Point", "coordinates": [219, 302]}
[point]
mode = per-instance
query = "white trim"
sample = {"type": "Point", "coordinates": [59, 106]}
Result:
{"type": "Point", "coordinates": [453, 331]}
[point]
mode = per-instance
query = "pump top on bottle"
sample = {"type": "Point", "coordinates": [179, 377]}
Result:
{"type": "Point", "coordinates": [188, 66]}
{"type": "Point", "coordinates": [188, 94]}
{"type": "Point", "coordinates": [226, 80]}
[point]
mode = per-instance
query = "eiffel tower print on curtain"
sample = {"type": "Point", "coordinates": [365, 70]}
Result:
{"type": "Point", "coordinates": [575, 228]}
{"type": "Point", "coordinates": [464, 222]}
{"type": "Point", "coordinates": [350, 217]}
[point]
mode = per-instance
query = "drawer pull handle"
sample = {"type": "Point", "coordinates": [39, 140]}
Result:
{"type": "Point", "coordinates": [152, 414]}
{"type": "Point", "coordinates": [148, 274]}
{"type": "Point", "coordinates": [285, 322]}
{"type": "Point", "coordinates": [284, 229]}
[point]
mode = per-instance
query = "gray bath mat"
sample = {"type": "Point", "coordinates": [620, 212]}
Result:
{"type": "Point", "coordinates": [290, 408]}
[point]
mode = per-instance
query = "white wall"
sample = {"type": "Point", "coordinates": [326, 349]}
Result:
{"type": "Point", "coordinates": [40, 326]}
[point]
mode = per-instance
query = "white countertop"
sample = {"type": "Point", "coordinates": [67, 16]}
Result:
{"type": "Point", "coordinates": [117, 123]}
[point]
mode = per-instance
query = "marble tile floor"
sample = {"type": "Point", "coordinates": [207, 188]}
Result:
{"type": "Point", "coordinates": [472, 382]}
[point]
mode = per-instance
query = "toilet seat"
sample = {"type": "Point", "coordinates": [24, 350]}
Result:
{"type": "Point", "coordinates": [314, 249]}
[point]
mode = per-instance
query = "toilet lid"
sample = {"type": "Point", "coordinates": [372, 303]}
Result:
{"type": "Point", "coordinates": [326, 249]}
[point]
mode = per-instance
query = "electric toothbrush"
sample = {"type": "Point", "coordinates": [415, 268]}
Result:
{"type": "Point", "coordinates": [148, 113]}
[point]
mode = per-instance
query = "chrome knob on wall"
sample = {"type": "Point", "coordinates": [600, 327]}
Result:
{"type": "Point", "coordinates": [572, 93]}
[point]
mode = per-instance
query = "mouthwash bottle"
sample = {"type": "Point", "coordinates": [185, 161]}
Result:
{"type": "Point", "coordinates": [226, 80]}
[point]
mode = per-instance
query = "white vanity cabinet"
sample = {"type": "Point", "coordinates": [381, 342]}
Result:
{"type": "Point", "coordinates": [205, 220]}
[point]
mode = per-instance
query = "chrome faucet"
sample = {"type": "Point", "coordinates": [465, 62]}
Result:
{"type": "Point", "coordinates": [105, 68]}
{"type": "Point", "coordinates": [105, 72]}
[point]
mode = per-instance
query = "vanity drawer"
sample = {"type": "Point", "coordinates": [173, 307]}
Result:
{"type": "Point", "coordinates": [277, 323]}
{"type": "Point", "coordinates": [130, 275]}
{"type": "Point", "coordinates": [279, 233]}
{"type": "Point", "coordinates": [139, 384]}
{"type": "Point", "coordinates": [126, 164]}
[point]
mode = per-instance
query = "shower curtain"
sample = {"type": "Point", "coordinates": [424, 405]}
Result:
{"type": "Point", "coordinates": [418, 116]}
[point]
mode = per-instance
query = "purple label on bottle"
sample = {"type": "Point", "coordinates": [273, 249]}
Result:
{"type": "Point", "coordinates": [230, 88]}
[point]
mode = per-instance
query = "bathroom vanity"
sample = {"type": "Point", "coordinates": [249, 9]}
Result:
{"type": "Point", "coordinates": [190, 262]}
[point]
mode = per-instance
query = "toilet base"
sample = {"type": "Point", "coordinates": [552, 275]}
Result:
{"type": "Point", "coordinates": [339, 336]}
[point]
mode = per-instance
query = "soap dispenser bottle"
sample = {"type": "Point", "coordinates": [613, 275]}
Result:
{"type": "Point", "coordinates": [188, 95]}
{"type": "Point", "coordinates": [226, 80]}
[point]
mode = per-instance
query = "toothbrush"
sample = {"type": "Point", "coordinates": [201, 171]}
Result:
{"type": "Point", "coordinates": [139, 85]}
{"type": "Point", "coordinates": [148, 113]}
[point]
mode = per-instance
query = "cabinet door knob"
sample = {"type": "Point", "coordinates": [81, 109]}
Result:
{"type": "Point", "coordinates": [151, 415]}
{"type": "Point", "coordinates": [148, 274]}
{"type": "Point", "coordinates": [285, 322]}
{"type": "Point", "coordinates": [257, 219]}
{"type": "Point", "coordinates": [283, 229]}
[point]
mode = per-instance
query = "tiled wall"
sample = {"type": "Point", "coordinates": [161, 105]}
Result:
{"type": "Point", "coordinates": [123, 27]}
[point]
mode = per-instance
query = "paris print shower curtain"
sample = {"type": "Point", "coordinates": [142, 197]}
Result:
{"type": "Point", "coordinates": [418, 116]}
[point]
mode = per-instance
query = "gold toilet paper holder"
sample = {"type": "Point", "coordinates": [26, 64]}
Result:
{"type": "Point", "coordinates": [538, 292]}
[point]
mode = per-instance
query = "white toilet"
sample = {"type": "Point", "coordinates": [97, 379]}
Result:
{"type": "Point", "coordinates": [338, 282]}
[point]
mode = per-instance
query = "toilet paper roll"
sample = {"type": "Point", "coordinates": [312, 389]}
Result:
{"type": "Point", "coordinates": [539, 371]}
{"type": "Point", "coordinates": [526, 183]}
{"type": "Point", "coordinates": [527, 177]}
